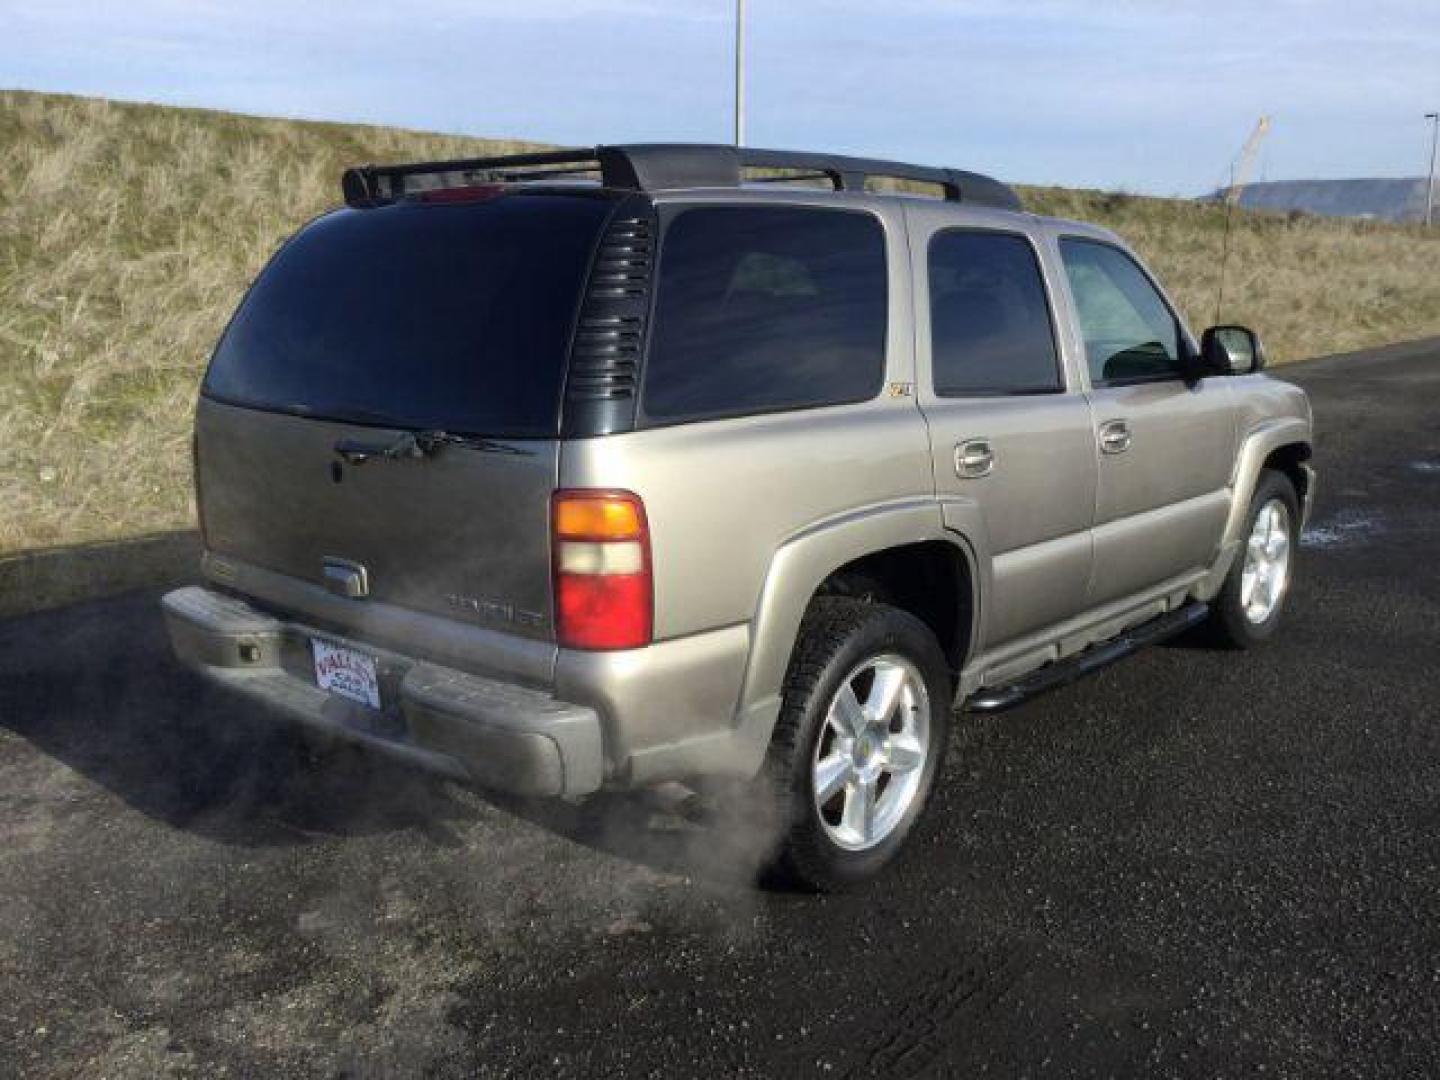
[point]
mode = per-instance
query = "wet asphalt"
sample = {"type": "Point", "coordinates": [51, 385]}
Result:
{"type": "Point", "coordinates": [1195, 863]}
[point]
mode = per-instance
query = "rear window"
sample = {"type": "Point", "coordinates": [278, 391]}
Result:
{"type": "Point", "coordinates": [454, 316]}
{"type": "Point", "coordinates": [766, 308]}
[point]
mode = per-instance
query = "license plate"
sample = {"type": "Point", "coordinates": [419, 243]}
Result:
{"type": "Point", "coordinates": [346, 672]}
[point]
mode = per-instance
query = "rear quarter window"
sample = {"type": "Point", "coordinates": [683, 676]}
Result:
{"type": "Point", "coordinates": [761, 309]}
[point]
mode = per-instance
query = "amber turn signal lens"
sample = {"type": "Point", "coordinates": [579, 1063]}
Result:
{"type": "Point", "coordinates": [597, 516]}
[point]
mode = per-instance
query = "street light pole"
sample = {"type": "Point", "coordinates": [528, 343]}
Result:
{"type": "Point", "coordinates": [739, 72]}
{"type": "Point", "coordinates": [1434, 119]}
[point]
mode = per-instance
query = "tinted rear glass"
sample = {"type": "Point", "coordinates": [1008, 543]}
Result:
{"type": "Point", "coordinates": [766, 308]}
{"type": "Point", "coordinates": [454, 316]}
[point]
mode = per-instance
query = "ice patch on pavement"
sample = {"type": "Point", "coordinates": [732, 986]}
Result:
{"type": "Point", "coordinates": [1349, 528]}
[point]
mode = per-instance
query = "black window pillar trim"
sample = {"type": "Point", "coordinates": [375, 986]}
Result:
{"type": "Point", "coordinates": [611, 330]}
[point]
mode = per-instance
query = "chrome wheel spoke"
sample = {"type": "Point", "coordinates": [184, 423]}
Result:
{"type": "Point", "coordinates": [885, 693]}
{"type": "Point", "coordinates": [831, 775]}
{"type": "Point", "coordinates": [847, 712]}
{"type": "Point", "coordinates": [903, 754]}
{"type": "Point", "coordinates": [858, 817]}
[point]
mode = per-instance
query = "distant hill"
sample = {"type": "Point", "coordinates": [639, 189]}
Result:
{"type": "Point", "coordinates": [1382, 198]}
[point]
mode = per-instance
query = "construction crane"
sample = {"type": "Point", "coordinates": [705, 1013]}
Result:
{"type": "Point", "coordinates": [1239, 176]}
{"type": "Point", "coordinates": [1245, 163]}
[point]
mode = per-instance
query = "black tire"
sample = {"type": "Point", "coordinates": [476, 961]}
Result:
{"type": "Point", "coordinates": [1229, 625]}
{"type": "Point", "coordinates": [839, 635]}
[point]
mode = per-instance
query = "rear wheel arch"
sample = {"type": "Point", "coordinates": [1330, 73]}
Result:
{"type": "Point", "coordinates": [845, 558]}
{"type": "Point", "coordinates": [931, 580]}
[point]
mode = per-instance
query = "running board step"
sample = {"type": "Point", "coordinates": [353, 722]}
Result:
{"type": "Point", "coordinates": [1062, 672]}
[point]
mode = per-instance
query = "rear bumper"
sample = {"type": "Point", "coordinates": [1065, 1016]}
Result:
{"type": "Point", "coordinates": [498, 734]}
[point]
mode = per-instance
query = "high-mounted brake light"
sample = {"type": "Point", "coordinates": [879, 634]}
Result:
{"type": "Point", "coordinates": [470, 193]}
{"type": "Point", "coordinates": [604, 594]}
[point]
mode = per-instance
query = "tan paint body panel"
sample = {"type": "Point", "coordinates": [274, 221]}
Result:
{"type": "Point", "coordinates": [748, 516]}
{"type": "Point", "coordinates": [1038, 500]}
{"type": "Point", "coordinates": [464, 534]}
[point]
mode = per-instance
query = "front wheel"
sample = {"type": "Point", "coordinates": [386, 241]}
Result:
{"type": "Point", "coordinates": [1248, 607]}
{"type": "Point", "coordinates": [862, 731]}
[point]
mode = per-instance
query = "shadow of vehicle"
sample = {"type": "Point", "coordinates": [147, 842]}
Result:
{"type": "Point", "coordinates": [95, 687]}
{"type": "Point", "coordinates": [724, 838]}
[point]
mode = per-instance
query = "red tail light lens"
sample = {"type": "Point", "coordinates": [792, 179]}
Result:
{"type": "Point", "coordinates": [604, 596]}
{"type": "Point", "coordinates": [470, 193]}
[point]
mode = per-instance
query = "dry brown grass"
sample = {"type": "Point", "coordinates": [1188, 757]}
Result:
{"type": "Point", "coordinates": [129, 232]}
{"type": "Point", "coordinates": [1312, 286]}
{"type": "Point", "coordinates": [127, 235]}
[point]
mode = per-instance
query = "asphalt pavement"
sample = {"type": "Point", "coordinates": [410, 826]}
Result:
{"type": "Point", "coordinates": [1194, 863]}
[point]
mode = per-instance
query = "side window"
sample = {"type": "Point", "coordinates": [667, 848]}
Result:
{"type": "Point", "coordinates": [766, 308]}
{"type": "Point", "coordinates": [1130, 332]}
{"type": "Point", "coordinates": [990, 328]}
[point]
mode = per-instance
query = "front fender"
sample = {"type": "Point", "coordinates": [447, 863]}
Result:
{"type": "Point", "coordinates": [1262, 441]}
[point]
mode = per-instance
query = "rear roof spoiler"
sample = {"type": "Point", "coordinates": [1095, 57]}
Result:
{"type": "Point", "coordinates": [665, 166]}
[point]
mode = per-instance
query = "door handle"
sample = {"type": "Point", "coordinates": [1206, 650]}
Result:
{"type": "Point", "coordinates": [974, 458]}
{"type": "Point", "coordinates": [1115, 437]}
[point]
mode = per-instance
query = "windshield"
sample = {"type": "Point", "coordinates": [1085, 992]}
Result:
{"type": "Point", "coordinates": [453, 316]}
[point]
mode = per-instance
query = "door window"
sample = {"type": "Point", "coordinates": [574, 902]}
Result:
{"type": "Point", "coordinates": [990, 328]}
{"type": "Point", "coordinates": [1131, 335]}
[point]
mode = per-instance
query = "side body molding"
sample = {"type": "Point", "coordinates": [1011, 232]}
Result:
{"type": "Point", "coordinates": [799, 567]}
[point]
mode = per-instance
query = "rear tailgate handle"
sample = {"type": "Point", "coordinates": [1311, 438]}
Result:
{"type": "Point", "coordinates": [357, 452]}
{"type": "Point", "coordinates": [346, 578]}
{"type": "Point", "coordinates": [974, 458]}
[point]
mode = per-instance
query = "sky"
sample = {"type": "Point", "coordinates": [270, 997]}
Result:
{"type": "Point", "coordinates": [1153, 96]}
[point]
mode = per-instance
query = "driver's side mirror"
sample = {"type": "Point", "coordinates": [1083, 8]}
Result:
{"type": "Point", "coordinates": [1231, 350]}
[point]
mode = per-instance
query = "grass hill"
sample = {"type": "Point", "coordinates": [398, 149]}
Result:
{"type": "Point", "coordinates": [128, 233]}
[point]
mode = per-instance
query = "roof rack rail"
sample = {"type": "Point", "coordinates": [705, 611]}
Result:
{"type": "Point", "coordinates": [662, 166]}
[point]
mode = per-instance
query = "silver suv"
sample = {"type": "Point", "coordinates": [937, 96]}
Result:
{"type": "Point", "coordinates": [555, 481]}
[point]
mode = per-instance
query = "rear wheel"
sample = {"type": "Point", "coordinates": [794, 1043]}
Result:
{"type": "Point", "coordinates": [1248, 607]}
{"type": "Point", "coordinates": [862, 731]}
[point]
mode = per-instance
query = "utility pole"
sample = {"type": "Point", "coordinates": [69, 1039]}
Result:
{"type": "Point", "coordinates": [1434, 118]}
{"type": "Point", "coordinates": [739, 72]}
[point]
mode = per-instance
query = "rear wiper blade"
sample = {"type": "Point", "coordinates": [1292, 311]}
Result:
{"type": "Point", "coordinates": [419, 444]}
{"type": "Point", "coordinates": [432, 440]}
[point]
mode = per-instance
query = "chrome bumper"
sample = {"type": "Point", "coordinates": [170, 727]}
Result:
{"type": "Point", "coordinates": [497, 734]}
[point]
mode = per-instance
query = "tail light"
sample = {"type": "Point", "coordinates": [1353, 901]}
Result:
{"type": "Point", "coordinates": [467, 194]}
{"type": "Point", "coordinates": [604, 595]}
